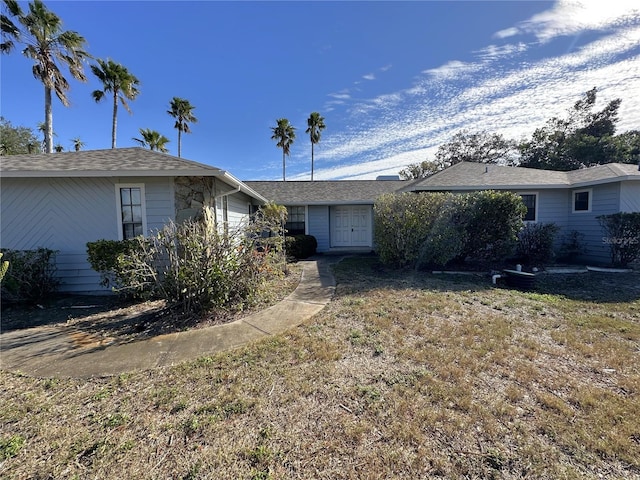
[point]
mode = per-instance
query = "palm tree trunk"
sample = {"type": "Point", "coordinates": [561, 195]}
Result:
{"type": "Point", "coordinates": [179, 141]}
{"type": "Point", "coordinates": [312, 161]}
{"type": "Point", "coordinates": [114, 122]}
{"type": "Point", "coordinates": [284, 178]}
{"type": "Point", "coordinates": [48, 121]}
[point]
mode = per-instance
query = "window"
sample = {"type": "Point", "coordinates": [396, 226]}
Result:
{"type": "Point", "coordinates": [530, 201]}
{"type": "Point", "coordinates": [582, 201]}
{"type": "Point", "coordinates": [295, 221]}
{"type": "Point", "coordinates": [130, 211]}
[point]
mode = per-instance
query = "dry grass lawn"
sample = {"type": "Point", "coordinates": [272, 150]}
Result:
{"type": "Point", "coordinates": [403, 375]}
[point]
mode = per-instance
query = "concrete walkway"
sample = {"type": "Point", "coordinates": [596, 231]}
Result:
{"type": "Point", "coordinates": [59, 352]}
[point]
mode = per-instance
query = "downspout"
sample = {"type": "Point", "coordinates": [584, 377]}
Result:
{"type": "Point", "coordinates": [230, 192]}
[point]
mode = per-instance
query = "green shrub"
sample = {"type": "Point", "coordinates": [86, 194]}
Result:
{"type": "Point", "coordinates": [301, 246]}
{"type": "Point", "coordinates": [622, 234]}
{"type": "Point", "coordinates": [445, 242]}
{"type": "Point", "coordinates": [571, 246]}
{"type": "Point", "coordinates": [197, 267]}
{"type": "Point", "coordinates": [30, 276]}
{"type": "Point", "coordinates": [103, 258]}
{"type": "Point", "coordinates": [535, 243]}
{"type": "Point", "coordinates": [480, 227]}
{"type": "Point", "coordinates": [402, 222]}
{"type": "Point", "coordinates": [494, 220]}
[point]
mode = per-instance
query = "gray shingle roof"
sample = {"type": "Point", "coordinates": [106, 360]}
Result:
{"type": "Point", "coordinates": [468, 176]}
{"type": "Point", "coordinates": [604, 173]}
{"type": "Point", "coordinates": [120, 161]}
{"type": "Point", "coordinates": [325, 192]}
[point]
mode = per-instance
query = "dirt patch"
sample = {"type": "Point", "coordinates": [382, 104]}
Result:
{"type": "Point", "coordinates": [114, 317]}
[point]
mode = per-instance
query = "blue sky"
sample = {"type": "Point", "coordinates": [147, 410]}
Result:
{"type": "Point", "coordinates": [394, 80]}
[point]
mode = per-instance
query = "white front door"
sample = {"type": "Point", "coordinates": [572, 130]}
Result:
{"type": "Point", "coordinates": [351, 226]}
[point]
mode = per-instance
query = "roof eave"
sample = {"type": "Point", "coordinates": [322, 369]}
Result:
{"type": "Point", "coordinates": [489, 187]}
{"type": "Point", "coordinates": [243, 187]}
{"type": "Point", "coordinates": [108, 173]}
{"type": "Point", "coordinates": [602, 181]}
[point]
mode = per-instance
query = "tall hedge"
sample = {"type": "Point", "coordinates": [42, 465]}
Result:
{"type": "Point", "coordinates": [436, 229]}
{"type": "Point", "coordinates": [622, 234]}
{"type": "Point", "coordinates": [402, 222]}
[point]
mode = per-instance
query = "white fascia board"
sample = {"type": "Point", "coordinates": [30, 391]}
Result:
{"type": "Point", "coordinates": [230, 179]}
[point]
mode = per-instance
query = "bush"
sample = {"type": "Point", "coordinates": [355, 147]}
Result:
{"type": "Point", "coordinates": [30, 275]}
{"type": "Point", "coordinates": [572, 246]}
{"type": "Point", "coordinates": [402, 222]}
{"type": "Point", "coordinates": [480, 227]}
{"type": "Point", "coordinates": [103, 257]}
{"type": "Point", "coordinates": [622, 234]}
{"type": "Point", "coordinates": [197, 267]}
{"type": "Point", "coordinates": [535, 243]}
{"type": "Point", "coordinates": [301, 246]}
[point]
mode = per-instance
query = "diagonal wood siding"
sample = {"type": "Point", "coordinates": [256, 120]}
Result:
{"type": "Point", "coordinates": [64, 214]}
{"type": "Point", "coordinates": [61, 214]}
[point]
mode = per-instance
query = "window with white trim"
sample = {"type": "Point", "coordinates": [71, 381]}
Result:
{"type": "Point", "coordinates": [131, 208]}
{"type": "Point", "coordinates": [530, 201]}
{"type": "Point", "coordinates": [582, 201]}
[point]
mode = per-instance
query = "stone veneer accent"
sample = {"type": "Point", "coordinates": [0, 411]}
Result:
{"type": "Point", "coordinates": [194, 193]}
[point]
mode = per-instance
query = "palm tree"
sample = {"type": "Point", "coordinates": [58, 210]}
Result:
{"type": "Point", "coordinates": [42, 128]}
{"type": "Point", "coordinates": [117, 81]}
{"type": "Point", "coordinates": [315, 125]}
{"type": "Point", "coordinates": [47, 44]}
{"type": "Point", "coordinates": [58, 148]}
{"type": "Point", "coordinates": [153, 140]}
{"type": "Point", "coordinates": [285, 134]}
{"type": "Point", "coordinates": [182, 111]}
{"type": "Point", "coordinates": [77, 144]}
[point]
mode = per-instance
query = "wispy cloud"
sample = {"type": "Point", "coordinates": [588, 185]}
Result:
{"type": "Point", "coordinates": [496, 52]}
{"type": "Point", "coordinates": [344, 95]}
{"type": "Point", "coordinates": [452, 69]}
{"type": "Point", "coordinates": [571, 17]}
{"type": "Point", "coordinates": [369, 76]}
{"type": "Point", "coordinates": [510, 89]}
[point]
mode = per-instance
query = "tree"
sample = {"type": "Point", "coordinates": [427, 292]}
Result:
{"type": "Point", "coordinates": [182, 111]}
{"type": "Point", "coordinates": [77, 144]}
{"type": "Point", "coordinates": [153, 140]}
{"type": "Point", "coordinates": [58, 148]}
{"type": "Point", "coordinates": [480, 147]}
{"type": "Point", "coordinates": [120, 83]}
{"type": "Point", "coordinates": [285, 134]}
{"type": "Point", "coordinates": [47, 45]}
{"type": "Point", "coordinates": [42, 128]}
{"type": "Point", "coordinates": [17, 140]}
{"type": "Point", "coordinates": [315, 125]}
{"type": "Point", "coordinates": [419, 170]}
{"type": "Point", "coordinates": [627, 147]}
{"type": "Point", "coordinates": [583, 139]}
